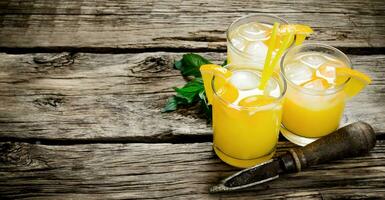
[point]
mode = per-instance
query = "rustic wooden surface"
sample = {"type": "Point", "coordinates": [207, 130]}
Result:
{"type": "Point", "coordinates": [145, 25]}
{"type": "Point", "coordinates": [82, 84]}
{"type": "Point", "coordinates": [152, 171]}
{"type": "Point", "coordinates": [120, 96]}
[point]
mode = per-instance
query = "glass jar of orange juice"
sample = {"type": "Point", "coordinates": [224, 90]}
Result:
{"type": "Point", "coordinates": [246, 120]}
{"type": "Point", "coordinates": [320, 80]}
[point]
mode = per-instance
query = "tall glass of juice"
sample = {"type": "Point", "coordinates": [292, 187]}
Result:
{"type": "Point", "coordinates": [246, 120]}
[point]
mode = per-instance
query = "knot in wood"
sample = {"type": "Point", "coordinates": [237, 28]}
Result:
{"type": "Point", "coordinates": [154, 64]}
{"type": "Point", "coordinates": [12, 154]}
{"type": "Point", "coordinates": [57, 60]}
{"type": "Point", "coordinates": [342, 36]}
{"type": "Point", "coordinates": [158, 60]}
{"type": "Point", "coordinates": [49, 102]}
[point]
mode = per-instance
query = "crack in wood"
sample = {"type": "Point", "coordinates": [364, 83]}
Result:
{"type": "Point", "coordinates": [122, 50]}
{"type": "Point", "coordinates": [159, 138]}
{"type": "Point", "coordinates": [193, 39]}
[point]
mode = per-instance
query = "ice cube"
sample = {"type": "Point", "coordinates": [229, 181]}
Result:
{"type": "Point", "coordinates": [313, 60]}
{"type": "Point", "coordinates": [239, 42]}
{"type": "Point", "coordinates": [257, 49]}
{"type": "Point", "coordinates": [244, 80]}
{"type": "Point", "coordinates": [317, 84]}
{"type": "Point", "coordinates": [328, 71]}
{"type": "Point", "coordinates": [298, 73]}
{"type": "Point", "coordinates": [253, 31]}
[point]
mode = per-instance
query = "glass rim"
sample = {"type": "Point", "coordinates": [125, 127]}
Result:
{"type": "Point", "coordinates": [328, 91]}
{"type": "Point", "coordinates": [283, 90]}
{"type": "Point", "coordinates": [246, 17]}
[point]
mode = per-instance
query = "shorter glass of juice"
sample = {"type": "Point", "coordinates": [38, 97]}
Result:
{"type": "Point", "coordinates": [247, 39]}
{"type": "Point", "coordinates": [315, 99]}
{"type": "Point", "coordinates": [246, 120]}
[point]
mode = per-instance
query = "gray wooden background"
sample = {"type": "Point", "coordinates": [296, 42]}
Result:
{"type": "Point", "coordinates": [82, 83]}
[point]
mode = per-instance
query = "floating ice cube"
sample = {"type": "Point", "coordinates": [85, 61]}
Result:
{"type": "Point", "coordinates": [244, 80]}
{"type": "Point", "coordinates": [328, 70]}
{"type": "Point", "coordinates": [257, 49]}
{"type": "Point", "coordinates": [253, 31]}
{"type": "Point", "coordinates": [313, 60]}
{"type": "Point", "coordinates": [317, 84]}
{"type": "Point", "coordinates": [239, 42]}
{"type": "Point", "coordinates": [298, 73]}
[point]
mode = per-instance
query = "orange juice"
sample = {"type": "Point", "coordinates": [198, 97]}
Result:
{"type": "Point", "coordinates": [318, 88]}
{"type": "Point", "coordinates": [246, 120]}
{"type": "Point", "coordinates": [303, 119]}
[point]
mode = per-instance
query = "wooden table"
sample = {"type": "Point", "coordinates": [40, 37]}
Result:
{"type": "Point", "coordinates": [82, 84]}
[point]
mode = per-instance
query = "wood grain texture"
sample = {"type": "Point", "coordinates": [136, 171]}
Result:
{"type": "Point", "coordinates": [119, 97]}
{"type": "Point", "coordinates": [169, 171]}
{"type": "Point", "coordinates": [89, 111]}
{"type": "Point", "coordinates": [104, 25]}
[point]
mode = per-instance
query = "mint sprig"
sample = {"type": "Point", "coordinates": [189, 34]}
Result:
{"type": "Point", "coordinates": [190, 63]}
{"type": "Point", "coordinates": [190, 91]}
{"type": "Point", "coordinates": [193, 91]}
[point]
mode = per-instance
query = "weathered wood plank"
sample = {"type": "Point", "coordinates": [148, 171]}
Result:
{"type": "Point", "coordinates": [120, 96]}
{"type": "Point", "coordinates": [169, 171]}
{"type": "Point", "coordinates": [104, 25]}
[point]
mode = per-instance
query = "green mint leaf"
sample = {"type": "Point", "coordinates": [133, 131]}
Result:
{"type": "Point", "coordinates": [224, 63]}
{"type": "Point", "coordinates": [206, 108]}
{"type": "Point", "coordinates": [171, 104]}
{"type": "Point", "coordinates": [193, 91]}
{"type": "Point", "coordinates": [178, 64]}
{"type": "Point", "coordinates": [190, 92]}
{"type": "Point", "coordinates": [202, 95]}
{"type": "Point", "coordinates": [190, 63]}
